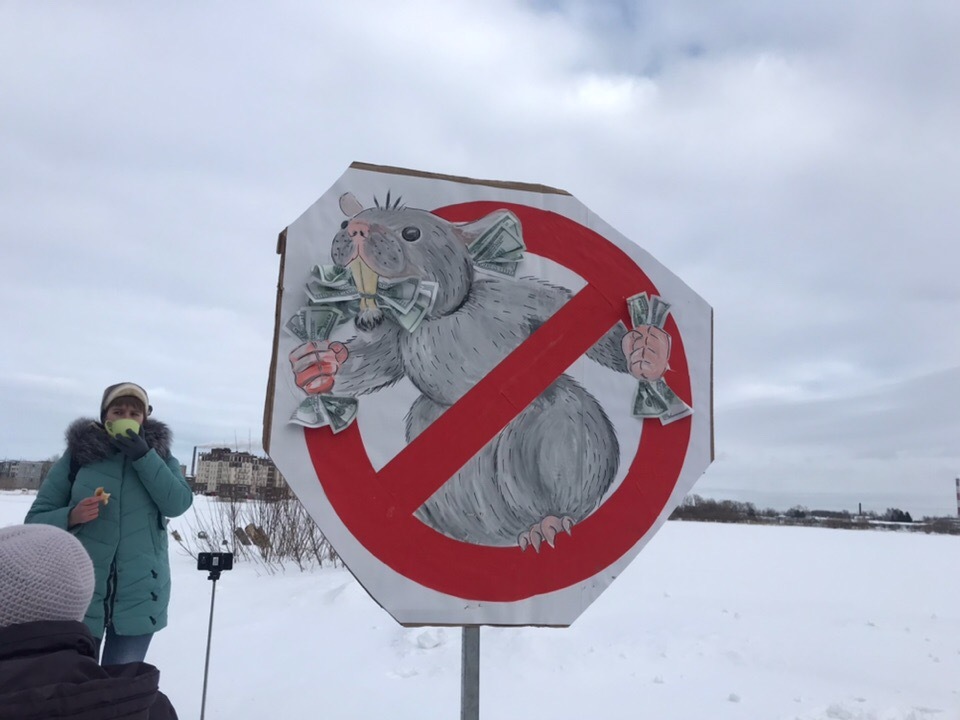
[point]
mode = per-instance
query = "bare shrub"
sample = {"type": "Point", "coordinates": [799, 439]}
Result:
{"type": "Point", "coordinates": [695, 507]}
{"type": "Point", "coordinates": [942, 525]}
{"type": "Point", "coordinates": [269, 533]}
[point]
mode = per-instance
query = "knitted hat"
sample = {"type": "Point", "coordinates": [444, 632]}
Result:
{"type": "Point", "coordinates": [124, 389]}
{"type": "Point", "coordinates": [45, 574]}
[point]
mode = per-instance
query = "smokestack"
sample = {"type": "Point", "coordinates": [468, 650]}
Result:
{"type": "Point", "coordinates": [958, 497]}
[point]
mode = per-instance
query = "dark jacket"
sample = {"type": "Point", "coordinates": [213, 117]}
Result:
{"type": "Point", "coordinates": [128, 541]}
{"type": "Point", "coordinates": [49, 669]}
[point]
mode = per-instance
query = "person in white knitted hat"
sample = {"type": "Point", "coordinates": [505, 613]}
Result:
{"type": "Point", "coordinates": [114, 488]}
{"type": "Point", "coordinates": [48, 663]}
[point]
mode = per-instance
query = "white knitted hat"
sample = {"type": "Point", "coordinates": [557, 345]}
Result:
{"type": "Point", "coordinates": [124, 389]}
{"type": "Point", "coordinates": [45, 574]}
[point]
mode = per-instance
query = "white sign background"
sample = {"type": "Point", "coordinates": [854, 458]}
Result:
{"type": "Point", "coordinates": [381, 414]}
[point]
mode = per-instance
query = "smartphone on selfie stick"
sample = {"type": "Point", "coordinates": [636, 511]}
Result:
{"type": "Point", "coordinates": [214, 563]}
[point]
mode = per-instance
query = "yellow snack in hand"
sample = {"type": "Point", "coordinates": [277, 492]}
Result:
{"type": "Point", "coordinates": [103, 496]}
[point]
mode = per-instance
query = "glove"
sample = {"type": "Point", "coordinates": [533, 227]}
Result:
{"type": "Point", "coordinates": [131, 445]}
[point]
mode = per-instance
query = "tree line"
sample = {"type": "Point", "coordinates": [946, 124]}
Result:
{"type": "Point", "coordinates": [696, 507]}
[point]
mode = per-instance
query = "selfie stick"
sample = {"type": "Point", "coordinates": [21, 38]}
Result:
{"type": "Point", "coordinates": [214, 575]}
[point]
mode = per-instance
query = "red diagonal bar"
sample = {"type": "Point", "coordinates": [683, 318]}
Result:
{"type": "Point", "coordinates": [419, 470]}
{"type": "Point", "coordinates": [369, 509]}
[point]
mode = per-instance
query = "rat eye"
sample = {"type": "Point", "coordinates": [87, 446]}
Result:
{"type": "Point", "coordinates": [343, 225]}
{"type": "Point", "coordinates": [410, 233]}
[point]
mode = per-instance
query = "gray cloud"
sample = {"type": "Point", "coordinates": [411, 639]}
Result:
{"type": "Point", "coordinates": [796, 164]}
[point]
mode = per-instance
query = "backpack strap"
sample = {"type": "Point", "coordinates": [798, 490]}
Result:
{"type": "Point", "coordinates": [74, 469]}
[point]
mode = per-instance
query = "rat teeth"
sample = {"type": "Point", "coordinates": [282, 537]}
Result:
{"type": "Point", "coordinates": [365, 278]}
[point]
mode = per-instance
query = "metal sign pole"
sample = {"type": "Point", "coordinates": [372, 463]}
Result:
{"type": "Point", "coordinates": [470, 673]}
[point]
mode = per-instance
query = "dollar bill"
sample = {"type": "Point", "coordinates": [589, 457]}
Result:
{"type": "Point", "coordinates": [502, 238]}
{"type": "Point", "coordinates": [332, 274]}
{"type": "Point", "coordinates": [676, 408]}
{"type": "Point", "coordinates": [500, 249]}
{"type": "Point", "coordinates": [296, 326]}
{"type": "Point", "coordinates": [500, 267]}
{"type": "Point", "coordinates": [657, 400]}
{"type": "Point", "coordinates": [313, 322]}
{"type": "Point", "coordinates": [399, 295]}
{"type": "Point", "coordinates": [507, 254]}
{"type": "Point", "coordinates": [647, 403]}
{"type": "Point", "coordinates": [318, 411]}
{"type": "Point", "coordinates": [310, 413]}
{"type": "Point", "coordinates": [658, 311]}
{"type": "Point", "coordinates": [639, 307]}
{"type": "Point", "coordinates": [320, 320]}
{"type": "Point", "coordinates": [320, 293]}
{"type": "Point", "coordinates": [426, 296]}
{"type": "Point", "coordinates": [340, 411]}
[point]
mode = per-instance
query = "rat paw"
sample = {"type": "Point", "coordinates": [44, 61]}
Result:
{"type": "Point", "coordinates": [547, 529]}
{"type": "Point", "coordinates": [647, 350]}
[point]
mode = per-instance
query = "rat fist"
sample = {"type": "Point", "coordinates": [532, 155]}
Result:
{"type": "Point", "coordinates": [647, 349]}
{"type": "Point", "coordinates": [315, 364]}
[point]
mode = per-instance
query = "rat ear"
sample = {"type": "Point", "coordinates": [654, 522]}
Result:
{"type": "Point", "coordinates": [349, 205]}
{"type": "Point", "coordinates": [468, 232]}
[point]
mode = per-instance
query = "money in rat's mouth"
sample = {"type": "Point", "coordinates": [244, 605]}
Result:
{"type": "Point", "coordinates": [365, 278]}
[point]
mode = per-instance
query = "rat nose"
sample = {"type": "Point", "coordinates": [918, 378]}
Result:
{"type": "Point", "coordinates": [358, 229]}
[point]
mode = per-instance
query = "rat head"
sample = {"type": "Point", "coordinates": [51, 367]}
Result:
{"type": "Point", "coordinates": [394, 241]}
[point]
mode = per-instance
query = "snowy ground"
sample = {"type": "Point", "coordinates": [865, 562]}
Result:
{"type": "Point", "coordinates": [711, 621]}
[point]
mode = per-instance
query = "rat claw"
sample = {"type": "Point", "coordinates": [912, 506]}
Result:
{"type": "Point", "coordinates": [550, 527]}
{"type": "Point", "coordinates": [536, 537]}
{"type": "Point", "coordinates": [523, 540]}
{"type": "Point", "coordinates": [531, 537]}
{"type": "Point", "coordinates": [549, 533]}
{"type": "Point", "coordinates": [545, 530]}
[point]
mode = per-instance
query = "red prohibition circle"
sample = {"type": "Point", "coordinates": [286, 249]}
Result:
{"type": "Point", "coordinates": [377, 507]}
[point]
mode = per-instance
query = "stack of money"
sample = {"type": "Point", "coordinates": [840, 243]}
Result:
{"type": "Point", "coordinates": [408, 300]}
{"type": "Point", "coordinates": [654, 399]}
{"type": "Point", "coordinates": [500, 248]}
{"type": "Point", "coordinates": [314, 323]}
{"type": "Point", "coordinates": [318, 411]}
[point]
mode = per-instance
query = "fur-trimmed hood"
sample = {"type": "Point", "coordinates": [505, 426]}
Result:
{"type": "Point", "coordinates": [88, 442]}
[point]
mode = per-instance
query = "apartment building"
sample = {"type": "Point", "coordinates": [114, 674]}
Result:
{"type": "Point", "coordinates": [232, 473]}
{"type": "Point", "coordinates": [23, 474]}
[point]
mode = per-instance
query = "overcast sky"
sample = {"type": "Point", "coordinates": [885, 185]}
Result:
{"type": "Point", "coordinates": [796, 163]}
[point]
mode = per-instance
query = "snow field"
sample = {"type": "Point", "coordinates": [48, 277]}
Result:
{"type": "Point", "coordinates": [718, 621]}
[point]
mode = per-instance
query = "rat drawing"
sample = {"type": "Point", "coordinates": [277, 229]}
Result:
{"type": "Point", "coordinates": [550, 466]}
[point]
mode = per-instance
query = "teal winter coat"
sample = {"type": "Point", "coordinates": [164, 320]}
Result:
{"type": "Point", "coordinates": [128, 541]}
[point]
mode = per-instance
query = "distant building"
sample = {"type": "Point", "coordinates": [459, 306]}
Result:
{"type": "Point", "coordinates": [23, 474]}
{"type": "Point", "coordinates": [230, 473]}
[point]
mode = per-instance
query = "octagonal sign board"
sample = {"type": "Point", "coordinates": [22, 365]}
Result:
{"type": "Point", "coordinates": [487, 398]}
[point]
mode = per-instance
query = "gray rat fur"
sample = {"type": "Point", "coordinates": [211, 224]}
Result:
{"type": "Point", "coordinates": [558, 457]}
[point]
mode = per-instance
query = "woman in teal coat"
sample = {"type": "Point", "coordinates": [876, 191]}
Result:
{"type": "Point", "coordinates": [115, 493]}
